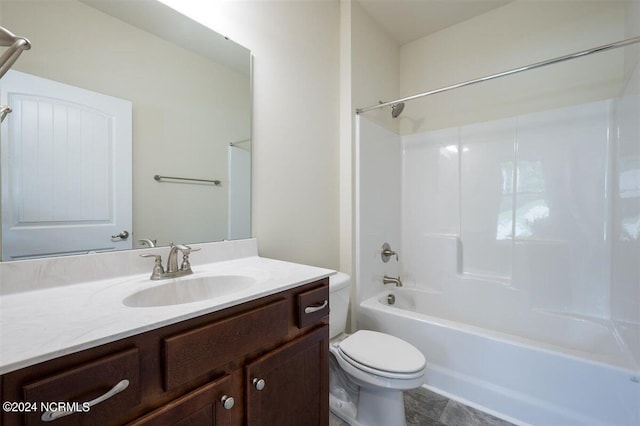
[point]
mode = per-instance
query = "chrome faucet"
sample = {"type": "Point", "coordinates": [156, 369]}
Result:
{"type": "Point", "coordinates": [391, 280]}
{"type": "Point", "coordinates": [172, 270]}
{"type": "Point", "coordinates": [148, 242]}
{"type": "Point", "coordinates": [172, 262]}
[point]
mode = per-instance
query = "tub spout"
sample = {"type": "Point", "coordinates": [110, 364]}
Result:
{"type": "Point", "coordinates": [391, 280]}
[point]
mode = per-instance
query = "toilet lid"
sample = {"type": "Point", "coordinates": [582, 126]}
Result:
{"type": "Point", "coordinates": [383, 352]}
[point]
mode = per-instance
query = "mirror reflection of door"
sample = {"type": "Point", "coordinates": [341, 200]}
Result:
{"type": "Point", "coordinates": [66, 169]}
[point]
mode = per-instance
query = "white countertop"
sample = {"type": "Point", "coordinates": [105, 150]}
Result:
{"type": "Point", "coordinates": [43, 324]}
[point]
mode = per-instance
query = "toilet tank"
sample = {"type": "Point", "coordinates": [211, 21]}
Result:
{"type": "Point", "coordinates": [339, 293]}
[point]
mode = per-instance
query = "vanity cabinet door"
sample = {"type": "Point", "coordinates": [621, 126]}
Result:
{"type": "Point", "coordinates": [208, 405]}
{"type": "Point", "coordinates": [290, 385]}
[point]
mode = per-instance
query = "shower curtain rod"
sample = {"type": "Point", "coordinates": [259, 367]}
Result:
{"type": "Point", "coordinates": [587, 52]}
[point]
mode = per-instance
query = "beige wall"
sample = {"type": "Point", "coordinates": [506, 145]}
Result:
{"type": "Point", "coordinates": [369, 71]}
{"type": "Point", "coordinates": [632, 53]}
{"type": "Point", "coordinates": [375, 59]}
{"type": "Point", "coordinates": [346, 152]}
{"type": "Point", "coordinates": [295, 45]}
{"type": "Point", "coordinates": [520, 33]}
{"type": "Point", "coordinates": [181, 127]}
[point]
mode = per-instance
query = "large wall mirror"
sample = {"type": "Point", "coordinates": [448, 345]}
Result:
{"type": "Point", "coordinates": [130, 127]}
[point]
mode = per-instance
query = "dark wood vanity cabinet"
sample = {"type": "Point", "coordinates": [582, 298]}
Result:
{"type": "Point", "coordinates": [264, 362]}
{"type": "Point", "coordinates": [287, 385]}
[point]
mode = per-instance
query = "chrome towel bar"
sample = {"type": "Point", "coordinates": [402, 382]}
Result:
{"type": "Point", "coordinates": [159, 178]}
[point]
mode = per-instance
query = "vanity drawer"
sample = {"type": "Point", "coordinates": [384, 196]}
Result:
{"type": "Point", "coordinates": [84, 383]}
{"type": "Point", "coordinates": [313, 305]}
{"type": "Point", "coordinates": [198, 351]}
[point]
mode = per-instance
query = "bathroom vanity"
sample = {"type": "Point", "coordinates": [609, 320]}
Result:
{"type": "Point", "coordinates": [238, 359]}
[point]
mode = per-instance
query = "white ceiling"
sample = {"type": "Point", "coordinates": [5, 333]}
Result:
{"type": "Point", "coordinates": [409, 20]}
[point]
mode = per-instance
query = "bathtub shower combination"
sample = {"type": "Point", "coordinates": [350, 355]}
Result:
{"type": "Point", "coordinates": [518, 241]}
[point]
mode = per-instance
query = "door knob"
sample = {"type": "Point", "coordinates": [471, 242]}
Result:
{"type": "Point", "coordinates": [122, 236]}
{"type": "Point", "coordinates": [4, 110]}
{"type": "Point", "coordinates": [227, 402]}
{"type": "Point", "coordinates": [258, 383]}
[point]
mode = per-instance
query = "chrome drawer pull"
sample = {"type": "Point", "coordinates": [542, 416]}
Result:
{"type": "Point", "coordinates": [311, 309]}
{"type": "Point", "coordinates": [49, 416]}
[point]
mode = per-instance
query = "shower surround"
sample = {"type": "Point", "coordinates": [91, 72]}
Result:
{"type": "Point", "coordinates": [526, 228]}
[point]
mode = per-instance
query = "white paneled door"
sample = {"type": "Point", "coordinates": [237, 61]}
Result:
{"type": "Point", "coordinates": [66, 169]}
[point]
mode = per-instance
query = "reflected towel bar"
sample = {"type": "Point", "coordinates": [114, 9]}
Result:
{"type": "Point", "coordinates": [158, 178]}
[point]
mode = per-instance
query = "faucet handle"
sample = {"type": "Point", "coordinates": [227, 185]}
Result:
{"type": "Point", "coordinates": [186, 251]}
{"type": "Point", "coordinates": [158, 270]}
{"type": "Point", "coordinates": [386, 253]}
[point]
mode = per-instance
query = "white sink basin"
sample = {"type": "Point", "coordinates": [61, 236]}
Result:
{"type": "Point", "coordinates": [189, 290]}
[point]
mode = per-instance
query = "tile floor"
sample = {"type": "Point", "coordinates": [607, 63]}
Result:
{"type": "Point", "coordinates": [426, 408]}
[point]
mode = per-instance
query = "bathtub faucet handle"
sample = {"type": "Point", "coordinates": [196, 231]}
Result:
{"type": "Point", "coordinates": [391, 280]}
{"type": "Point", "coordinates": [387, 253]}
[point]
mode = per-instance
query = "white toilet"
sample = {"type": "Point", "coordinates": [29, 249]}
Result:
{"type": "Point", "coordinates": [369, 369]}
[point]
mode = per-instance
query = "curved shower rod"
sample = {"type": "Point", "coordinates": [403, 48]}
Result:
{"type": "Point", "coordinates": [16, 46]}
{"type": "Point", "coordinates": [587, 52]}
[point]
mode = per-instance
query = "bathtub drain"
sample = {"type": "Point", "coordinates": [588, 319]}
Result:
{"type": "Point", "coordinates": [391, 299]}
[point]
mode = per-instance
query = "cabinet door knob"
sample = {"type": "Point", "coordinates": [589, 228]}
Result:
{"type": "Point", "coordinates": [227, 402]}
{"type": "Point", "coordinates": [258, 383]}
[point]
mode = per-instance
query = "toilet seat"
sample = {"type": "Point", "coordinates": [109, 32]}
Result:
{"type": "Point", "coordinates": [383, 355]}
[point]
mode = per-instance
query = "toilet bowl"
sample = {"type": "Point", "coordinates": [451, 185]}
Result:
{"type": "Point", "coordinates": [379, 366]}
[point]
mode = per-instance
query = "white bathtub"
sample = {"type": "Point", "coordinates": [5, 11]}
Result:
{"type": "Point", "coordinates": [575, 372]}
